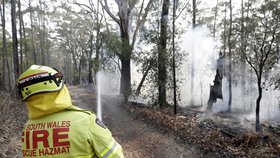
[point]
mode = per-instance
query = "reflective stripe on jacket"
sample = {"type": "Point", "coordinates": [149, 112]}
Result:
{"type": "Point", "coordinates": [70, 133]}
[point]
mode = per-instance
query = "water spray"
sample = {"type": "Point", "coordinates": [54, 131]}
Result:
{"type": "Point", "coordinates": [99, 108]}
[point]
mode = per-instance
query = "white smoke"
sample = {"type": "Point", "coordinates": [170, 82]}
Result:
{"type": "Point", "coordinates": [203, 47]}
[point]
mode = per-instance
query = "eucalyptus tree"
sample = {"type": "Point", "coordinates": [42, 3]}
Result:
{"type": "Point", "coordinates": [31, 12]}
{"type": "Point", "coordinates": [6, 70]}
{"type": "Point", "coordinates": [262, 53]}
{"type": "Point", "coordinates": [194, 16]}
{"type": "Point", "coordinates": [15, 43]}
{"type": "Point", "coordinates": [230, 56]}
{"type": "Point", "coordinates": [20, 18]}
{"type": "Point", "coordinates": [127, 8]}
{"type": "Point", "coordinates": [148, 60]}
{"type": "Point", "coordinates": [162, 54]}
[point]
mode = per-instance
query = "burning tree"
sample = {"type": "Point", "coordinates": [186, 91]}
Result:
{"type": "Point", "coordinates": [262, 32]}
{"type": "Point", "coordinates": [216, 89]}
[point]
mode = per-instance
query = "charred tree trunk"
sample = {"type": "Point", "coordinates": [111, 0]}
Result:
{"type": "Point", "coordinates": [258, 102]}
{"type": "Point", "coordinates": [162, 54]}
{"type": "Point", "coordinates": [216, 89]}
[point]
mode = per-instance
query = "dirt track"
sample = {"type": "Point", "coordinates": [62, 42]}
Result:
{"type": "Point", "coordinates": [138, 139]}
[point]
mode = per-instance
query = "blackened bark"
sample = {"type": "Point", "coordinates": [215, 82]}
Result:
{"type": "Point", "coordinates": [216, 89]}
{"type": "Point", "coordinates": [258, 101]}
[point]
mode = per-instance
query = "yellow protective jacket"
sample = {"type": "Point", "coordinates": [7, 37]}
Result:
{"type": "Point", "coordinates": [57, 129]}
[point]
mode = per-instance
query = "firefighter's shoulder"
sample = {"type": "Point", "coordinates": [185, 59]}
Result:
{"type": "Point", "coordinates": [75, 108]}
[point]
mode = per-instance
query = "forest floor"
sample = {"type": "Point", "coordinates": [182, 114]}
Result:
{"type": "Point", "coordinates": [146, 132]}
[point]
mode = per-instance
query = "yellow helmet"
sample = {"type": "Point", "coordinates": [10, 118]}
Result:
{"type": "Point", "coordinates": [39, 79]}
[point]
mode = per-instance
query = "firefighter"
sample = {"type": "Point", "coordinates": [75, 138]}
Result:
{"type": "Point", "coordinates": [56, 128]}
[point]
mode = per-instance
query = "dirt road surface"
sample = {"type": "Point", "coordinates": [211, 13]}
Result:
{"type": "Point", "coordinates": [138, 139]}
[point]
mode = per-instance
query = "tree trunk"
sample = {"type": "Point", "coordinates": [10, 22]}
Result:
{"type": "Point", "coordinates": [32, 35]}
{"type": "Point", "coordinates": [5, 60]}
{"type": "Point", "coordinates": [15, 50]}
{"type": "Point", "coordinates": [75, 68]}
{"type": "Point", "coordinates": [138, 90]}
{"type": "Point", "coordinates": [162, 54]}
{"type": "Point", "coordinates": [229, 53]}
{"type": "Point", "coordinates": [216, 90]}
{"type": "Point", "coordinates": [2, 74]}
{"type": "Point", "coordinates": [25, 44]}
{"type": "Point", "coordinates": [125, 77]}
{"type": "Point", "coordinates": [97, 44]}
{"type": "Point", "coordinates": [193, 52]}
{"type": "Point", "coordinates": [225, 41]}
{"type": "Point", "coordinates": [215, 19]}
{"type": "Point", "coordinates": [42, 32]}
{"type": "Point", "coordinates": [173, 58]}
{"type": "Point", "coordinates": [258, 102]}
{"type": "Point", "coordinates": [125, 56]}
{"type": "Point", "coordinates": [20, 36]}
{"type": "Point", "coordinates": [90, 61]}
{"type": "Point", "coordinates": [243, 60]}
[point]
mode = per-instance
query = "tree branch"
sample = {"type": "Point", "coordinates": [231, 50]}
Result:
{"type": "Point", "coordinates": [180, 12]}
{"type": "Point", "coordinates": [83, 5]}
{"type": "Point", "coordinates": [132, 4]}
{"type": "Point", "coordinates": [141, 22]}
{"type": "Point", "coordinates": [271, 42]}
{"type": "Point", "coordinates": [109, 44]}
{"type": "Point", "coordinates": [105, 6]}
{"type": "Point", "coordinates": [251, 64]}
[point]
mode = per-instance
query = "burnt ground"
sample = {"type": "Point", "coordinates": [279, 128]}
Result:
{"type": "Point", "coordinates": [146, 132]}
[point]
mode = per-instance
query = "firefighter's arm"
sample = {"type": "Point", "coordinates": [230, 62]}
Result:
{"type": "Point", "coordinates": [102, 141]}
